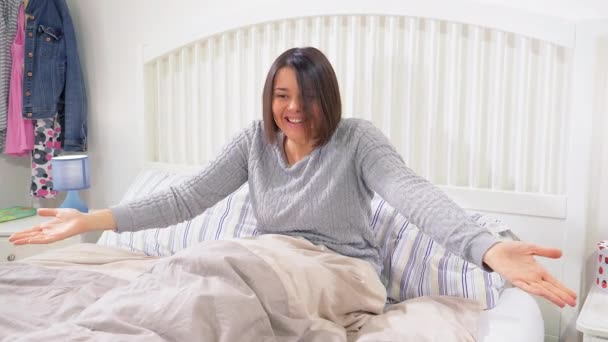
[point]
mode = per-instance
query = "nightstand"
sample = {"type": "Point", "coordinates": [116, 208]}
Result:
{"type": "Point", "coordinates": [9, 252]}
{"type": "Point", "coordinates": [593, 319]}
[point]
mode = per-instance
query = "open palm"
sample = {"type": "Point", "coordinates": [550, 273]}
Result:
{"type": "Point", "coordinates": [64, 223]}
{"type": "Point", "coordinates": [515, 261]}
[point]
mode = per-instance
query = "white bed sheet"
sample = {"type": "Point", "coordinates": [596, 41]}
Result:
{"type": "Point", "coordinates": [516, 318]}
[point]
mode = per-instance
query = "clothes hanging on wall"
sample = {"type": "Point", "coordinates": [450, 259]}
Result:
{"type": "Point", "coordinates": [47, 144]}
{"type": "Point", "coordinates": [53, 82]}
{"type": "Point", "coordinates": [46, 111]}
{"type": "Point", "coordinates": [9, 10]}
{"type": "Point", "coordinates": [19, 132]}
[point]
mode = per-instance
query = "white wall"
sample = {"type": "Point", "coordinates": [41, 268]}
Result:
{"type": "Point", "coordinates": [14, 181]}
{"type": "Point", "coordinates": [108, 34]}
{"type": "Point", "coordinates": [570, 9]}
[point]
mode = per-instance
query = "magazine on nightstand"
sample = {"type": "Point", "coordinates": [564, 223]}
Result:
{"type": "Point", "coordinates": [15, 213]}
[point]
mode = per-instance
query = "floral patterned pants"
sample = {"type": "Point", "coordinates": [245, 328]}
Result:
{"type": "Point", "coordinates": [47, 144]}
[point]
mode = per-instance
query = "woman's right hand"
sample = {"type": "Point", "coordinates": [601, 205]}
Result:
{"type": "Point", "coordinates": [64, 224]}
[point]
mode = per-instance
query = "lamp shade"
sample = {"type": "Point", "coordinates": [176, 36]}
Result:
{"type": "Point", "coordinates": [71, 172]}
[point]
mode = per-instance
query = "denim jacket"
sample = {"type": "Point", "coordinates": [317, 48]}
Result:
{"type": "Point", "coordinates": [52, 81]}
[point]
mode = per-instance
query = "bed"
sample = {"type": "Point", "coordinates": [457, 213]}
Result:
{"type": "Point", "coordinates": [144, 285]}
{"type": "Point", "coordinates": [485, 101]}
{"type": "Point", "coordinates": [102, 271]}
{"type": "Point", "coordinates": [489, 102]}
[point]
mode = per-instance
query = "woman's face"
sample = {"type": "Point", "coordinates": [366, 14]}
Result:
{"type": "Point", "coordinates": [287, 108]}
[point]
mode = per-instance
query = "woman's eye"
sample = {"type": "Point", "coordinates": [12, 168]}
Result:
{"type": "Point", "coordinates": [281, 96]}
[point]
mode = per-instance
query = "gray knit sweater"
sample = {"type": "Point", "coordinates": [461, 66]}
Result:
{"type": "Point", "coordinates": [324, 197]}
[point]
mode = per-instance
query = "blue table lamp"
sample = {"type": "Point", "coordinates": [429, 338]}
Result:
{"type": "Point", "coordinates": [71, 173]}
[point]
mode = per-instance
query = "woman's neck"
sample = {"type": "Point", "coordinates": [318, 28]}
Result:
{"type": "Point", "coordinates": [295, 152]}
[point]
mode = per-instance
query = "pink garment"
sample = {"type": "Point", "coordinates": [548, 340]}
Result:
{"type": "Point", "coordinates": [19, 132]}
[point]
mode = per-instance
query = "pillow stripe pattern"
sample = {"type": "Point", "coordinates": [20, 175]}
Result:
{"type": "Point", "coordinates": [229, 218]}
{"type": "Point", "coordinates": [414, 265]}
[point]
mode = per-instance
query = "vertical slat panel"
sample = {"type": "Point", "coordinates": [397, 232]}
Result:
{"type": "Point", "coordinates": [239, 80]}
{"type": "Point", "coordinates": [150, 105]}
{"type": "Point", "coordinates": [433, 126]}
{"type": "Point", "coordinates": [484, 118]}
{"type": "Point", "coordinates": [351, 80]}
{"type": "Point", "coordinates": [451, 99]}
{"type": "Point", "coordinates": [562, 136]}
{"type": "Point", "coordinates": [334, 45]}
{"type": "Point", "coordinates": [159, 117]}
{"type": "Point", "coordinates": [196, 99]}
{"type": "Point", "coordinates": [219, 99]}
{"type": "Point", "coordinates": [254, 90]}
{"type": "Point", "coordinates": [396, 114]}
{"type": "Point", "coordinates": [168, 113]}
{"type": "Point", "coordinates": [161, 68]}
{"type": "Point", "coordinates": [409, 77]}
{"type": "Point", "coordinates": [210, 88]}
{"type": "Point", "coordinates": [472, 117]}
{"type": "Point", "coordinates": [464, 106]}
{"type": "Point", "coordinates": [232, 89]}
{"type": "Point", "coordinates": [438, 167]}
{"type": "Point", "coordinates": [544, 119]}
{"type": "Point", "coordinates": [182, 109]}
{"type": "Point", "coordinates": [519, 133]}
{"type": "Point", "coordinates": [230, 92]}
{"type": "Point", "coordinates": [548, 176]}
{"type": "Point", "coordinates": [357, 56]}
{"type": "Point", "coordinates": [368, 64]}
{"type": "Point", "coordinates": [417, 110]}
{"type": "Point", "coordinates": [497, 108]}
{"type": "Point", "coordinates": [534, 99]}
{"type": "Point", "coordinates": [300, 30]}
{"type": "Point", "coordinates": [388, 67]}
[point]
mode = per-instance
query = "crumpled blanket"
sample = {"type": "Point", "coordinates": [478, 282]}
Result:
{"type": "Point", "coordinates": [266, 288]}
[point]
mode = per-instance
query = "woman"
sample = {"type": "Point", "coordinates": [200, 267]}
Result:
{"type": "Point", "coordinates": [312, 174]}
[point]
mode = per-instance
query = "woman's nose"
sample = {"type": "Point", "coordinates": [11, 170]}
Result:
{"type": "Point", "coordinates": [294, 105]}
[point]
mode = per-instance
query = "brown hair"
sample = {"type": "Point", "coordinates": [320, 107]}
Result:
{"type": "Point", "coordinates": [318, 85]}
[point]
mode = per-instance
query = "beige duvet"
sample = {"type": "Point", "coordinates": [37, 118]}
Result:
{"type": "Point", "coordinates": [267, 288]}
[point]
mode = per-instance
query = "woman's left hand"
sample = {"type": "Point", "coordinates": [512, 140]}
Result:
{"type": "Point", "coordinates": [514, 260]}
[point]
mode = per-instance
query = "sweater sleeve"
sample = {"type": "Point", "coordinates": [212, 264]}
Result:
{"type": "Point", "coordinates": [425, 205]}
{"type": "Point", "coordinates": [184, 201]}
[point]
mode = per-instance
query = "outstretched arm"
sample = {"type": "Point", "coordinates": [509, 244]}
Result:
{"type": "Point", "coordinates": [65, 223]}
{"type": "Point", "coordinates": [176, 204]}
{"type": "Point", "coordinates": [184, 201]}
{"type": "Point", "coordinates": [515, 261]}
{"type": "Point", "coordinates": [426, 206]}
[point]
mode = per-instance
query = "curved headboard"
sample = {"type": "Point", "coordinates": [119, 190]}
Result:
{"type": "Point", "coordinates": [479, 99]}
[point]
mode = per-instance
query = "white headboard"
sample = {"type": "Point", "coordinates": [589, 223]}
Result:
{"type": "Point", "coordinates": [490, 103]}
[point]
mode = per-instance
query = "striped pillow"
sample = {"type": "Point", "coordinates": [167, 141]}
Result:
{"type": "Point", "coordinates": [415, 265]}
{"type": "Point", "coordinates": [229, 218]}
